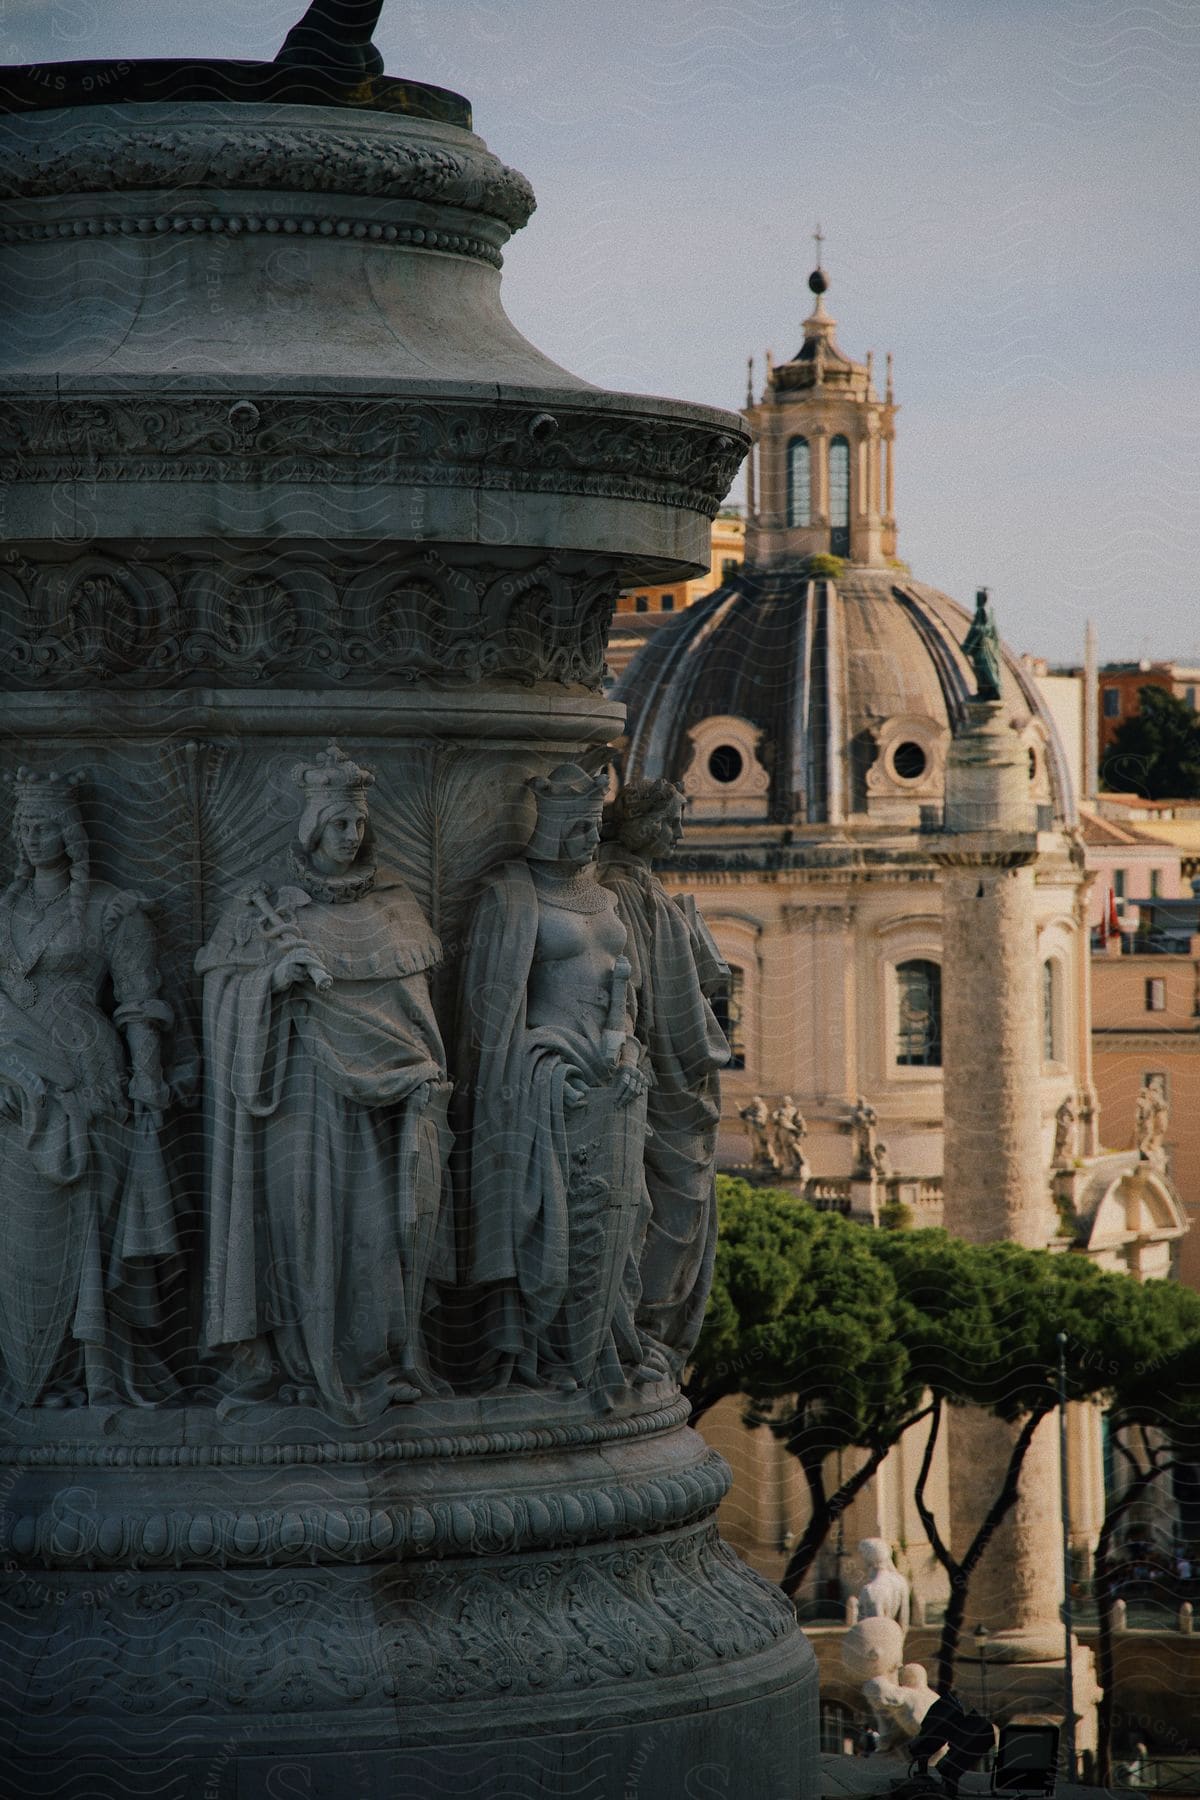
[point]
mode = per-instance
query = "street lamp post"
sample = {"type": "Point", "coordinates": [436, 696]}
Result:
{"type": "Point", "coordinates": [981, 1638]}
{"type": "Point", "coordinates": [1068, 1618]}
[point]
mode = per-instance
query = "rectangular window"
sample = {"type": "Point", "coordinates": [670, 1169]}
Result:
{"type": "Point", "coordinates": [667, 603]}
{"type": "Point", "coordinates": [1119, 883]}
{"type": "Point", "coordinates": [1112, 703]}
{"type": "Point", "coordinates": [641, 604]}
{"type": "Point", "coordinates": [728, 1004]}
{"type": "Point", "coordinates": [1156, 884]}
{"type": "Point", "coordinates": [919, 1014]}
{"type": "Point", "coordinates": [1156, 994]}
{"type": "Point", "coordinates": [1189, 695]}
{"type": "Point", "coordinates": [729, 568]}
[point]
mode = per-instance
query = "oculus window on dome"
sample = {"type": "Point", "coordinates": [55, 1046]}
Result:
{"type": "Point", "coordinates": [909, 761]}
{"type": "Point", "coordinates": [919, 1014]}
{"type": "Point", "coordinates": [839, 496]}
{"type": "Point", "coordinates": [726, 763]}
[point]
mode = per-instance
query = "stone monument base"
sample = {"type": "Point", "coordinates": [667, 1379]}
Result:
{"type": "Point", "coordinates": [458, 1600]}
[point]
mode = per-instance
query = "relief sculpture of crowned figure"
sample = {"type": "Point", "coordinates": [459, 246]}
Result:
{"type": "Point", "coordinates": [555, 1078]}
{"type": "Point", "coordinates": [328, 1093]}
{"type": "Point", "coordinates": [676, 969]}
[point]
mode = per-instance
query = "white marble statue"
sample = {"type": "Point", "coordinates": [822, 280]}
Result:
{"type": "Point", "coordinates": [788, 1134]}
{"type": "Point", "coordinates": [1151, 1119]}
{"type": "Point", "coordinates": [1065, 1131]}
{"type": "Point", "coordinates": [756, 1117]}
{"type": "Point", "coordinates": [89, 1222]}
{"type": "Point", "coordinates": [885, 1593]}
{"type": "Point", "coordinates": [675, 970]}
{"type": "Point", "coordinates": [898, 1694]}
{"type": "Point", "coordinates": [556, 1207]}
{"type": "Point", "coordinates": [328, 1093]}
{"type": "Point", "coordinates": [864, 1125]}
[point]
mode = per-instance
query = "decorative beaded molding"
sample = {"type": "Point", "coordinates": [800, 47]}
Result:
{"type": "Point", "coordinates": [379, 1450]}
{"type": "Point", "coordinates": [269, 438]}
{"type": "Point", "coordinates": [419, 237]}
{"type": "Point", "coordinates": [80, 1528]}
{"type": "Point", "coordinates": [39, 161]}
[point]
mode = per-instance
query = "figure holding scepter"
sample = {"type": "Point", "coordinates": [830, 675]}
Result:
{"type": "Point", "coordinates": [328, 1097]}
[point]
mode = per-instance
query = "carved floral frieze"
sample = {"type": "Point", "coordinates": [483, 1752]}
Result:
{"type": "Point", "coordinates": [431, 1633]}
{"type": "Point", "coordinates": [246, 619]}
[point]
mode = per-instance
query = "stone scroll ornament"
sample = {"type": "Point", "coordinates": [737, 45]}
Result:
{"type": "Point", "coordinates": [676, 970]}
{"type": "Point", "coordinates": [555, 1081]}
{"type": "Point", "coordinates": [328, 1097]}
{"type": "Point", "coordinates": [91, 1248]}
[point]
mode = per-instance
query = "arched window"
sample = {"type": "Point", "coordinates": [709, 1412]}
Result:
{"type": "Point", "coordinates": [1052, 1008]}
{"type": "Point", "coordinates": [839, 496]}
{"type": "Point", "coordinates": [728, 1003]}
{"type": "Point", "coordinates": [799, 483]}
{"type": "Point", "coordinates": [919, 1014]}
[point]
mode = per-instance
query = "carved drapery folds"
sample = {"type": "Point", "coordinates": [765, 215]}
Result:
{"type": "Point", "coordinates": [571, 1237]}
{"type": "Point", "coordinates": [91, 1238]}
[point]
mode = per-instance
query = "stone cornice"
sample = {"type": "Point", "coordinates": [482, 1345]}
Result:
{"type": "Point", "coordinates": [292, 150]}
{"type": "Point", "coordinates": [362, 442]}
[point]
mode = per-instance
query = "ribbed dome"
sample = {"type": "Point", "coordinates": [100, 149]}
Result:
{"type": "Point", "coordinates": [828, 671]}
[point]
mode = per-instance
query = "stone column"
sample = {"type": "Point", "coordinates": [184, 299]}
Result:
{"type": "Point", "coordinates": [995, 1184]}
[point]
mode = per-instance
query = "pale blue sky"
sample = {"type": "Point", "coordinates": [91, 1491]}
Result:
{"type": "Point", "coordinates": [1009, 195]}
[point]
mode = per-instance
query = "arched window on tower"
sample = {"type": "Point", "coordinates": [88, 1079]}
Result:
{"type": "Point", "coordinates": [799, 482]}
{"type": "Point", "coordinates": [919, 1014]}
{"type": "Point", "coordinates": [1052, 1023]}
{"type": "Point", "coordinates": [839, 496]}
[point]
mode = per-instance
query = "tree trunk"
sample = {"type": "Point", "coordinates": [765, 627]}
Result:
{"type": "Point", "coordinates": [832, 1508]}
{"type": "Point", "coordinates": [820, 1524]}
{"type": "Point", "coordinates": [1105, 1597]}
{"type": "Point", "coordinates": [960, 1572]}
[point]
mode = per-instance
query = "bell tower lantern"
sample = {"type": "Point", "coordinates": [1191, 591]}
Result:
{"type": "Point", "coordinates": [821, 477]}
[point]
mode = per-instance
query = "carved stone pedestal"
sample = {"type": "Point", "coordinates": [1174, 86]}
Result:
{"type": "Point", "coordinates": [200, 1609]}
{"type": "Point", "coordinates": [278, 470]}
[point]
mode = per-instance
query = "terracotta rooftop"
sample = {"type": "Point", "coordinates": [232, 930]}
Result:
{"type": "Point", "coordinates": [1103, 834]}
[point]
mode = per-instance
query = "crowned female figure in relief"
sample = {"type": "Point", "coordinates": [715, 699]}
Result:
{"type": "Point", "coordinates": [676, 970]}
{"type": "Point", "coordinates": [555, 1194]}
{"type": "Point", "coordinates": [90, 1241]}
{"type": "Point", "coordinates": [328, 1098]}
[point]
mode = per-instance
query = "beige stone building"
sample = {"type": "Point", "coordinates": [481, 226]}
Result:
{"type": "Point", "coordinates": [893, 872]}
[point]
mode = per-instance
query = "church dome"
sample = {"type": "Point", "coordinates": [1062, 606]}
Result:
{"type": "Point", "coordinates": [800, 701]}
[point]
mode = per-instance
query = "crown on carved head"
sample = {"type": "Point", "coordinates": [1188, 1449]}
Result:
{"type": "Point", "coordinates": [569, 791]}
{"type": "Point", "coordinates": [55, 787]}
{"type": "Point", "coordinates": [332, 770]}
